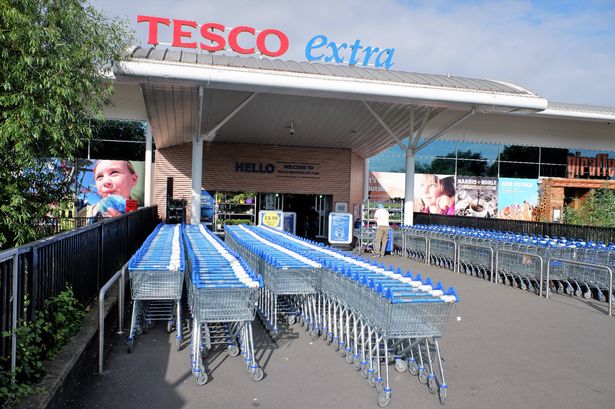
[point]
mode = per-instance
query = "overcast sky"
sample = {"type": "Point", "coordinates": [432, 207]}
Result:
{"type": "Point", "coordinates": [562, 50]}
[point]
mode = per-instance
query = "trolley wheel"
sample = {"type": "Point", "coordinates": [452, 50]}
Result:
{"type": "Point", "coordinates": [328, 340]}
{"type": "Point", "coordinates": [315, 333]}
{"type": "Point", "coordinates": [342, 351]}
{"type": "Point", "coordinates": [364, 372]}
{"type": "Point", "coordinates": [413, 368]}
{"type": "Point", "coordinates": [422, 376]}
{"type": "Point", "coordinates": [170, 326]}
{"type": "Point", "coordinates": [201, 378]}
{"type": "Point", "coordinates": [384, 399]}
{"type": "Point", "coordinates": [138, 329]}
{"type": "Point", "coordinates": [357, 363]}
{"type": "Point", "coordinates": [233, 350]}
{"type": "Point", "coordinates": [349, 357]}
{"type": "Point", "coordinates": [149, 324]}
{"type": "Point", "coordinates": [291, 319]}
{"type": "Point", "coordinates": [431, 385]}
{"type": "Point", "coordinates": [257, 374]}
{"type": "Point", "coordinates": [401, 365]}
{"type": "Point", "coordinates": [371, 379]}
{"type": "Point", "coordinates": [442, 396]}
{"type": "Point", "coordinates": [577, 292]}
{"type": "Point", "coordinates": [380, 386]}
{"type": "Point", "coordinates": [129, 344]}
{"type": "Point", "coordinates": [178, 343]}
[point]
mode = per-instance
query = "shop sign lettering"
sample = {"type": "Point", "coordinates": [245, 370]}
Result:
{"type": "Point", "coordinates": [319, 48]}
{"type": "Point", "coordinates": [600, 166]}
{"type": "Point", "coordinates": [254, 167]}
{"type": "Point", "coordinates": [213, 37]}
{"type": "Point", "coordinates": [183, 32]}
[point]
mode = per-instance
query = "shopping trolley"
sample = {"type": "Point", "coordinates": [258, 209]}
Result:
{"type": "Point", "coordinates": [371, 314]}
{"type": "Point", "coordinates": [156, 281]}
{"type": "Point", "coordinates": [222, 298]}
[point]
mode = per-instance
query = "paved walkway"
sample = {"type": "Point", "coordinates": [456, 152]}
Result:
{"type": "Point", "coordinates": [510, 349]}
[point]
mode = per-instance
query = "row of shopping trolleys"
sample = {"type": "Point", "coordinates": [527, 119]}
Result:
{"type": "Point", "coordinates": [218, 294]}
{"type": "Point", "coordinates": [535, 263]}
{"type": "Point", "coordinates": [372, 314]}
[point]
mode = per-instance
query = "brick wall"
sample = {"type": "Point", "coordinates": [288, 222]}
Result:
{"type": "Point", "coordinates": [297, 170]}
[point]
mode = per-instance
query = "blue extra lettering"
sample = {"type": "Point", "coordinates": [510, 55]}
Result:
{"type": "Point", "coordinates": [335, 49]}
{"type": "Point", "coordinates": [318, 41]}
{"type": "Point", "coordinates": [388, 52]}
{"type": "Point", "coordinates": [371, 55]}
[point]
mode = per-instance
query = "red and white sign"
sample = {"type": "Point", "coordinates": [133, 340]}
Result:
{"type": "Point", "coordinates": [187, 34]}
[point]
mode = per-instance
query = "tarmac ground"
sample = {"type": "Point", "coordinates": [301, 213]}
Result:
{"type": "Point", "coordinates": [503, 348]}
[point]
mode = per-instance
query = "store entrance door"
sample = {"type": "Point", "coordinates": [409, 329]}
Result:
{"type": "Point", "coordinates": [312, 212]}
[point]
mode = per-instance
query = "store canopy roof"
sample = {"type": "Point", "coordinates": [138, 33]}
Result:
{"type": "Point", "coordinates": [259, 101]}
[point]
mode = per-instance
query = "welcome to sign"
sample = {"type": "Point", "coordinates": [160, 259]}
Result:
{"type": "Point", "coordinates": [213, 37]}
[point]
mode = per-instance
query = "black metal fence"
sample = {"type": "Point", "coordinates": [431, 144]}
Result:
{"type": "Point", "coordinates": [54, 225]}
{"type": "Point", "coordinates": [85, 259]}
{"type": "Point", "coordinates": [586, 233]}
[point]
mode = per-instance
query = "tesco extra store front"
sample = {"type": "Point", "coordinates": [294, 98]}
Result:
{"type": "Point", "coordinates": [252, 133]}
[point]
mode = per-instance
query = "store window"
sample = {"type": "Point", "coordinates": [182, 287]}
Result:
{"type": "Point", "coordinates": [443, 166]}
{"type": "Point", "coordinates": [476, 167]}
{"type": "Point", "coordinates": [518, 170]}
{"type": "Point", "coordinates": [486, 150]}
{"type": "Point", "coordinates": [515, 153]}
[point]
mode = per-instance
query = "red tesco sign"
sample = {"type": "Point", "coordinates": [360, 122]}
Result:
{"type": "Point", "coordinates": [183, 31]}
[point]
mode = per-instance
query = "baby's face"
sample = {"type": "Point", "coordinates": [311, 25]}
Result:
{"type": "Point", "coordinates": [114, 178]}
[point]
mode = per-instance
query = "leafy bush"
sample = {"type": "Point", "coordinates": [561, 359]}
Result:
{"type": "Point", "coordinates": [37, 341]}
{"type": "Point", "coordinates": [598, 209]}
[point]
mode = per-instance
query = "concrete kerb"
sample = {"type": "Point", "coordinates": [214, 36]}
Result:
{"type": "Point", "coordinates": [73, 361]}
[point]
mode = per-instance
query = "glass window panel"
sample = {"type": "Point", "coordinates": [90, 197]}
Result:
{"type": "Point", "coordinates": [486, 150]}
{"type": "Point", "coordinates": [440, 166]}
{"type": "Point", "coordinates": [467, 167]}
{"type": "Point", "coordinates": [518, 170]}
{"type": "Point", "coordinates": [438, 148]}
{"type": "Point", "coordinates": [553, 155]}
{"type": "Point", "coordinates": [514, 153]}
{"type": "Point", "coordinates": [553, 171]}
{"type": "Point", "coordinates": [391, 160]}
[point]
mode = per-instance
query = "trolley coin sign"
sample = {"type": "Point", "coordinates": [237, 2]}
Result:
{"type": "Point", "coordinates": [271, 218]}
{"type": "Point", "coordinates": [340, 228]}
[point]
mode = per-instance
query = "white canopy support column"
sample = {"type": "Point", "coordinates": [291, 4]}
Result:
{"type": "Point", "coordinates": [147, 184]}
{"type": "Point", "coordinates": [409, 180]}
{"type": "Point", "coordinates": [365, 179]}
{"type": "Point", "coordinates": [197, 167]}
{"type": "Point", "coordinates": [409, 200]}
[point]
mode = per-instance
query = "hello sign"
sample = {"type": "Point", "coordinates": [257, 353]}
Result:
{"type": "Point", "coordinates": [213, 37]}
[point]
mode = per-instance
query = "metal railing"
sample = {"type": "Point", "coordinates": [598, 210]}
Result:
{"type": "Point", "coordinates": [587, 233]}
{"type": "Point", "coordinates": [84, 259]}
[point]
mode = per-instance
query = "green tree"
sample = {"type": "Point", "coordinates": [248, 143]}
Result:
{"type": "Point", "coordinates": [598, 209]}
{"type": "Point", "coordinates": [52, 82]}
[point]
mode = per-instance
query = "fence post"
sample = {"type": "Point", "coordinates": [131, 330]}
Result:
{"type": "Point", "coordinates": [15, 312]}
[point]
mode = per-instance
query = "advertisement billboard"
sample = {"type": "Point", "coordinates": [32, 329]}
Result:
{"type": "Point", "coordinates": [434, 194]}
{"type": "Point", "coordinates": [517, 198]}
{"type": "Point", "coordinates": [104, 186]}
{"type": "Point", "coordinates": [477, 196]}
{"type": "Point", "coordinates": [384, 186]}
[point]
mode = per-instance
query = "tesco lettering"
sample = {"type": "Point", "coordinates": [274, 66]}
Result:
{"type": "Point", "coordinates": [318, 48]}
{"type": "Point", "coordinates": [183, 31]}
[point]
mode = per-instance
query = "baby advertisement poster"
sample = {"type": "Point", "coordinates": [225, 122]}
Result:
{"type": "Point", "coordinates": [104, 186]}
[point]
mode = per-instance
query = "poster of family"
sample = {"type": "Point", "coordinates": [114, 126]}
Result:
{"type": "Point", "coordinates": [475, 196]}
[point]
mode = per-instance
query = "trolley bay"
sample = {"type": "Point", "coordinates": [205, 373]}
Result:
{"type": "Point", "coordinates": [509, 349]}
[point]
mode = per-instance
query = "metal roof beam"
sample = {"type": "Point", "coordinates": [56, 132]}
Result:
{"type": "Point", "coordinates": [445, 130]}
{"type": "Point", "coordinates": [417, 137]}
{"type": "Point", "coordinates": [211, 135]}
{"type": "Point", "coordinates": [385, 126]}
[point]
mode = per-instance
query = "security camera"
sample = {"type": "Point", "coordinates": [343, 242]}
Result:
{"type": "Point", "coordinates": [291, 131]}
